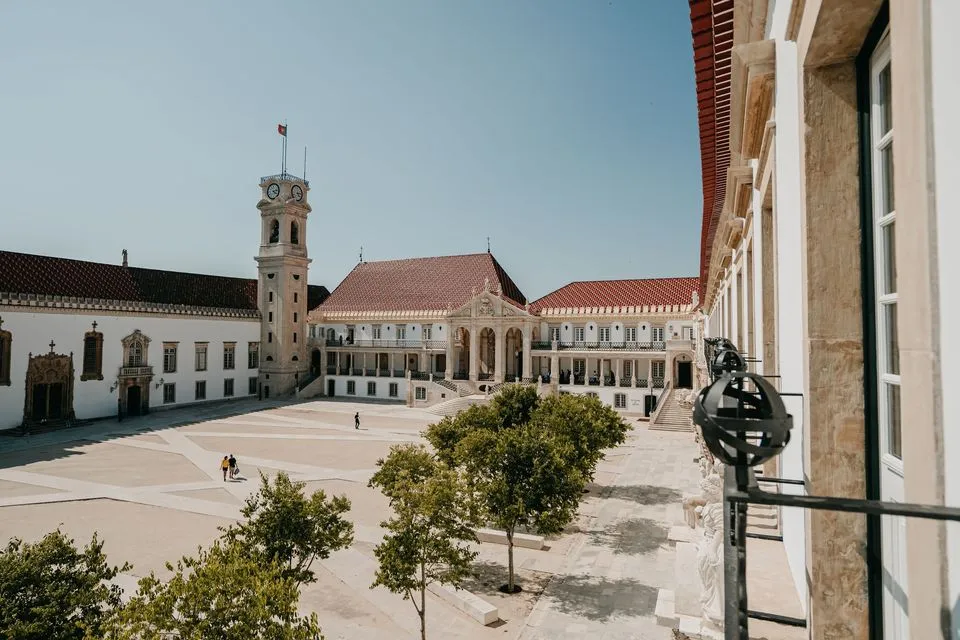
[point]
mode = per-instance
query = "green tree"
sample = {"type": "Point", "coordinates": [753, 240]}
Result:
{"type": "Point", "coordinates": [430, 529]}
{"type": "Point", "coordinates": [525, 479]}
{"type": "Point", "coordinates": [50, 590]}
{"type": "Point", "coordinates": [223, 593]}
{"type": "Point", "coordinates": [286, 526]}
{"type": "Point", "coordinates": [589, 425]}
{"type": "Point", "coordinates": [446, 434]}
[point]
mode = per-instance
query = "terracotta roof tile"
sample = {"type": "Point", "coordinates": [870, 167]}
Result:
{"type": "Point", "coordinates": [619, 293]}
{"type": "Point", "coordinates": [419, 284]}
{"type": "Point", "coordinates": [46, 275]}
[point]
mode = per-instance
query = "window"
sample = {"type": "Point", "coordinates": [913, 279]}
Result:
{"type": "Point", "coordinates": [270, 296]}
{"type": "Point", "coordinates": [253, 355]}
{"type": "Point", "coordinates": [270, 336]}
{"type": "Point", "coordinates": [657, 368]}
{"type": "Point", "coordinates": [228, 388]}
{"type": "Point", "coordinates": [229, 354]}
{"type": "Point", "coordinates": [200, 390]}
{"type": "Point", "coordinates": [92, 355]}
{"type": "Point", "coordinates": [579, 366]}
{"type": "Point", "coordinates": [294, 337]}
{"type": "Point", "coordinates": [619, 401]}
{"type": "Point", "coordinates": [630, 334]}
{"type": "Point", "coordinates": [371, 388]}
{"type": "Point", "coordinates": [200, 357]}
{"type": "Point", "coordinates": [274, 232]}
{"type": "Point", "coordinates": [170, 357]}
{"type": "Point", "coordinates": [169, 393]}
{"type": "Point", "coordinates": [687, 333]}
{"type": "Point", "coordinates": [421, 393]}
{"type": "Point", "coordinates": [394, 390]}
{"type": "Point", "coordinates": [401, 332]}
{"type": "Point", "coordinates": [555, 334]}
{"type": "Point", "coordinates": [351, 388]}
{"type": "Point", "coordinates": [375, 331]}
{"type": "Point", "coordinates": [294, 233]}
{"type": "Point", "coordinates": [135, 354]}
{"type": "Point", "coordinates": [604, 334]}
{"type": "Point", "coordinates": [294, 316]}
{"type": "Point", "coordinates": [252, 386]}
{"type": "Point", "coordinates": [294, 296]}
{"type": "Point", "coordinates": [6, 339]}
{"type": "Point", "coordinates": [578, 333]}
{"type": "Point", "coordinates": [656, 334]}
{"type": "Point", "coordinates": [592, 394]}
{"type": "Point", "coordinates": [627, 368]}
{"type": "Point", "coordinates": [427, 332]}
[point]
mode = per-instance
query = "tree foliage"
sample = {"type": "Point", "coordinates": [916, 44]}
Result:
{"type": "Point", "coordinates": [428, 535]}
{"type": "Point", "coordinates": [224, 593]}
{"type": "Point", "coordinates": [284, 525]}
{"type": "Point", "coordinates": [50, 590]}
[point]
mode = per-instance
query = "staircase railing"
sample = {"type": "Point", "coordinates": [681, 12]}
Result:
{"type": "Point", "coordinates": [662, 401]}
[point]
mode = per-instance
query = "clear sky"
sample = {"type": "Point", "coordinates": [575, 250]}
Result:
{"type": "Point", "coordinates": [565, 130]}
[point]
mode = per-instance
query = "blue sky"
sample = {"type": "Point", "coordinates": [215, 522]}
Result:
{"type": "Point", "coordinates": [564, 129]}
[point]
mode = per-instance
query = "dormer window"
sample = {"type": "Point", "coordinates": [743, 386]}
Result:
{"type": "Point", "coordinates": [274, 232]}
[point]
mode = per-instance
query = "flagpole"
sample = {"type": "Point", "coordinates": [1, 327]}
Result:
{"type": "Point", "coordinates": [285, 132]}
{"type": "Point", "coordinates": [304, 163]}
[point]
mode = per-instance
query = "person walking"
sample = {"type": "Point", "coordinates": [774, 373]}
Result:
{"type": "Point", "coordinates": [233, 466]}
{"type": "Point", "coordinates": [225, 466]}
{"type": "Point", "coordinates": [356, 420]}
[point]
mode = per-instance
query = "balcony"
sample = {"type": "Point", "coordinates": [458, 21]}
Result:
{"type": "Point", "coordinates": [136, 372]}
{"type": "Point", "coordinates": [582, 345]}
{"type": "Point", "coordinates": [430, 345]}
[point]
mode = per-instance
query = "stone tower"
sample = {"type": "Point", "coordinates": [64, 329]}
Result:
{"type": "Point", "coordinates": [282, 277]}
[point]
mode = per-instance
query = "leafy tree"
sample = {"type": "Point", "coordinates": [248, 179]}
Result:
{"type": "Point", "coordinates": [50, 590]}
{"type": "Point", "coordinates": [223, 593]}
{"type": "Point", "coordinates": [285, 526]}
{"type": "Point", "coordinates": [515, 404]}
{"type": "Point", "coordinates": [447, 434]}
{"type": "Point", "coordinates": [430, 530]}
{"type": "Point", "coordinates": [525, 479]}
{"type": "Point", "coordinates": [589, 425]}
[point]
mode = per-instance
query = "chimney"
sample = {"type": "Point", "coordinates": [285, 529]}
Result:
{"type": "Point", "coordinates": [124, 257]}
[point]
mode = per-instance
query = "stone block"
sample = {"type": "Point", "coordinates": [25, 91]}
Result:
{"type": "Point", "coordinates": [665, 611]}
{"type": "Point", "coordinates": [687, 601]}
{"type": "Point", "coordinates": [681, 533]}
{"type": "Point", "coordinates": [689, 626]}
{"type": "Point", "coordinates": [472, 605]}
{"type": "Point", "coordinates": [525, 540]}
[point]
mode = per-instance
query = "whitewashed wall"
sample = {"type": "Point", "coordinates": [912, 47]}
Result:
{"type": "Point", "coordinates": [32, 332]}
{"type": "Point", "coordinates": [360, 384]}
{"type": "Point", "coordinates": [945, 51]}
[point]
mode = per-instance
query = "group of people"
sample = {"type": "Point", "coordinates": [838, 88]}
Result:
{"type": "Point", "coordinates": [229, 467]}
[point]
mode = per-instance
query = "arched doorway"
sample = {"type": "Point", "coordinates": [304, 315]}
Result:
{"type": "Point", "coordinates": [461, 356]}
{"type": "Point", "coordinates": [514, 355]}
{"type": "Point", "coordinates": [488, 354]}
{"type": "Point", "coordinates": [49, 388]}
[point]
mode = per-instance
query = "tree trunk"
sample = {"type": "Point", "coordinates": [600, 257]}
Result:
{"type": "Point", "coordinates": [509, 533]}
{"type": "Point", "coordinates": [423, 605]}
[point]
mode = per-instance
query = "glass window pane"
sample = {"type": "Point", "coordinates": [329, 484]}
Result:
{"type": "Point", "coordinates": [886, 180]}
{"type": "Point", "coordinates": [892, 343]}
{"type": "Point", "coordinates": [888, 249]}
{"type": "Point", "coordinates": [893, 420]}
{"type": "Point", "coordinates": [885, 90]}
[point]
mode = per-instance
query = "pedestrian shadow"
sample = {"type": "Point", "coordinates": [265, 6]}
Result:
{"type": "Point", "coordinates": [600, 599]}
{"type": "Point", "coordinates": [631, 537]}
{"type": "Point", "coordinates": [644, 494]}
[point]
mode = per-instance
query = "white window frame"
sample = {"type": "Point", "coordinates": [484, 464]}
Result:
{"type": "Point", "coordinates": [394, 390]}
{"type": "Point", "coordinates": [619, 401]}
{"type": "Point", "coordinates": [629, 334]}
{"type": "Point", "coordinates": [170, 358]}
{"type": "Point", "coordinates": [375, 331]}
{"type": "Point", "coordinates": [351, 387]}
{"type": "Point", "coordinates": [657, 369]}
{"type": "Point", "coordinates": [170, 393]}
{"type": "Point", "coordinates": [421, 393]}
{"type": "Point", "coordinates": [400, 331]}
{"type": "Point", "coordinates": [229, 356]}
{"type": "Point", "coordinates": [656, 333]}
{"type": "Point", "coordinates": [686, 333]}
{"type": "Point", "coordinates": [200, 357]}
{"type": "Point", "coordinates": [371, 388]}
{"type": "Point", "coordinates": [603, 334]}
{"type": "Point", "coordinates": [579, 334]}
{"type": "Point", "coordinates": [427, 332]}
{"type": "Point", "coordinates": [555, 333]}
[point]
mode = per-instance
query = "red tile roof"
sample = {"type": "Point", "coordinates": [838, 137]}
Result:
{"type": "Point", "coordinates": [711, 24]}
{"type": "Point", "coordinates": [45, 275]}
{"type": "Point", "coordinates": [619, 293]}
{"type": "Point", "coordinates": [419, 284]}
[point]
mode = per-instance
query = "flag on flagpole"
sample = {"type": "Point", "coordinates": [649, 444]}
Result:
{"type": "Point", "coordinates": [282, 130]}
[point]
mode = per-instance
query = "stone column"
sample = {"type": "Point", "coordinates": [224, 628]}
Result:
{"type": "Point", "coordinates": [338, 363]}
{"type": "Point", "coordinates": [527, 361]}
{"type": "Point", "coordinates": [650, 374]}
{"type": "Point", "coordinates": [554, 368]}
{"type": "Point", "coordinates": [474, 353]}
{"type": "Point", "coordinates": [449, 367]}
{"type": "Point", "coordinates": [619, 375]}
{"type": "Point", "coordinates": [392, 363]}
{"type": "Point", "coordinates": [499, 354]}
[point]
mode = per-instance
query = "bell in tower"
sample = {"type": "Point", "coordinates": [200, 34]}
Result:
{"type": "Point", "coordinates": [282, 265]}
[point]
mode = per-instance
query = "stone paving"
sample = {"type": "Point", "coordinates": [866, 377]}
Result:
{"type": "Point", "coordinates": [153, 489]}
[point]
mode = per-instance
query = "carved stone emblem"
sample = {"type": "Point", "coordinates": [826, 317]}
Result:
{"type": "Point", "coordinates": [486, 307]}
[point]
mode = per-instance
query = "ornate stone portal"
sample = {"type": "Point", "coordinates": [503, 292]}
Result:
{"type": "Point", "coordinates": [49, 388]}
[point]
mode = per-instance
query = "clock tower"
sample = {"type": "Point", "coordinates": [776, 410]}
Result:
{"type": "Point", "coordinates": [282, 283]}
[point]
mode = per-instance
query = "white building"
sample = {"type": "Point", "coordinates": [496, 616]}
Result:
{"type": "Point", "coordinates": [429, 329]}
{"type": "Point", "coordinates": [83, 340]}
{"type": "Point", "coordinates": [832, 270]}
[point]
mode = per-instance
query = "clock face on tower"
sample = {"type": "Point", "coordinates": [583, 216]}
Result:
{"type": "Point", "coordinates": [273, 190]}
{"type": "Point", "coordinates": [297, 192]}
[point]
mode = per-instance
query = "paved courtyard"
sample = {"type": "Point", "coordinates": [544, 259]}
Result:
{"type": "Point", "coordinates": [153, 490]}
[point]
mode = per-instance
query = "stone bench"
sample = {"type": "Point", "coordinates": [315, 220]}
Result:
{"type": "Point", "coordinates": [525, 540]}
{"type": "Point", "coordinates": [472, 605]}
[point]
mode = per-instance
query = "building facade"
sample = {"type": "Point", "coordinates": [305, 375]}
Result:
{"type": "Point", "coordinates": [828, 149]}
{"type": "Point", "coordinates": [432, 329]}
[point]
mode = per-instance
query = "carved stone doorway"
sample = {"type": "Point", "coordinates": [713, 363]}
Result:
{"type": "Point", "coordinates": [134, 401]}
{"type": "Point", "coordinates": [49, 388]}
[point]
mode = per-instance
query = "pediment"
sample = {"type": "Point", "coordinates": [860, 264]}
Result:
{"type": "Point", "coordinates": [486, 304]}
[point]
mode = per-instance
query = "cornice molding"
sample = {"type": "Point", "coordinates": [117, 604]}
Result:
{"type": "Point", "coordinates": [39, 302]}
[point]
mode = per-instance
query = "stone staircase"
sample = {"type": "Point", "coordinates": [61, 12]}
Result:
{"type": "Point", "coordinates": [672, 417]}
{"type": "Point", "coordinates": [452, 386]}
{"type": "Point", "coordinates": [456, 405]}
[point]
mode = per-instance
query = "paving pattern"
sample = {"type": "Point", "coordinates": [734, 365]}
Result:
{"type": "Point", "coordinates": [153, 489]}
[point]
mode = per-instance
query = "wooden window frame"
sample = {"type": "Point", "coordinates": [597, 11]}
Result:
{"type": "Point", "coordinates": [95, 373]}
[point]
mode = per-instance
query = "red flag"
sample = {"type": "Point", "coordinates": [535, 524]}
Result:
{"type": "Point", "coordinates": [282, 130]}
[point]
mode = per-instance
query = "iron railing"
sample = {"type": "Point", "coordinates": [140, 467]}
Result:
{"type": "Point", "coordinates": [542, 345]}
{"type": "Point", "coordinates": [388, 343]}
